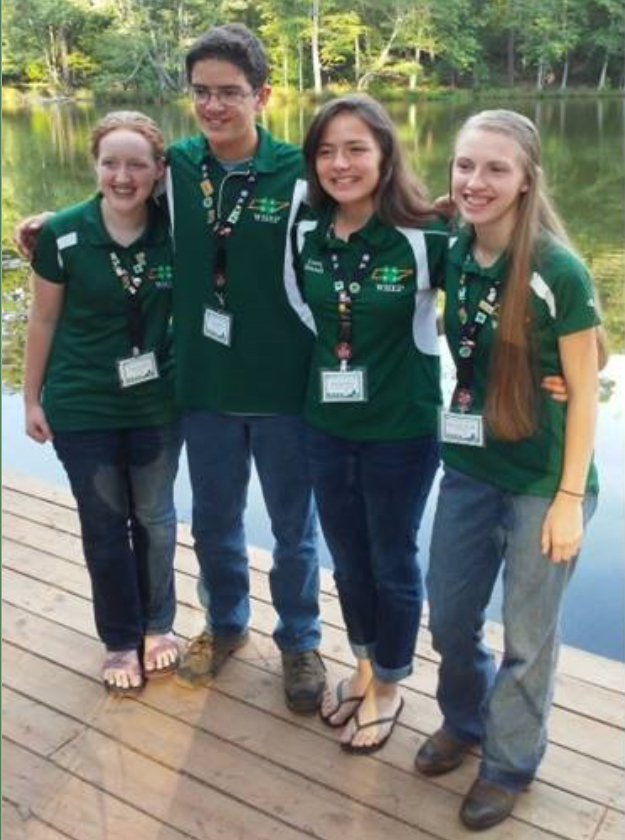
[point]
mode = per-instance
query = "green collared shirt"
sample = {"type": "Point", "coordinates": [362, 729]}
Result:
{"type": "Point", "coordinates": [393, 325]}
{"type": "Point", "coordinates": [81, 386]}
{"type": "Point", "coordinates": [561, 303]}
{"type": "Point", "coordinates": [264, 370]}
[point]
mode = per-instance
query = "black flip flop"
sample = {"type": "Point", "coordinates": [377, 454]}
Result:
{"type": "Point", "coordinates": [357, 699]}
{"type": "Point", "coordinates": [371, 748]}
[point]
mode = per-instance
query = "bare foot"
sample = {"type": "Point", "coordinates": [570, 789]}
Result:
{"type": "Point", "coordinates": [122, 673]}
{"type": "Point", "coordinates": [161, 654]}
{"type": "Point", "coordinates": [339, 703]}
{"type": "Point", "coordinates": [382, 702]}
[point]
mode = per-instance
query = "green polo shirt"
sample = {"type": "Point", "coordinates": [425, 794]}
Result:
{"type": "Point", "coordinates": [264, 370]}
{"type": "Point", "coordinates": [81, 387]}
{"type": "Point", "coordinates": [561, 302]}
{"type": "Point", "coordinates": [394, 333]}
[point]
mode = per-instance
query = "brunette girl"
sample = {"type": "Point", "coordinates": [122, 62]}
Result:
{"type": "Point", "coordinates": [366, 266]}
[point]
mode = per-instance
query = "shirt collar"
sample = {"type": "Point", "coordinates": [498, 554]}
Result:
{"type": "Point", "coordinates": [265, 157]}
{"type": "Point", "coordinates": [461, 255]}
{"type": "Point", "coordinates": [373, 234]}
{"type": "Point", "coordinates": [155, 233]}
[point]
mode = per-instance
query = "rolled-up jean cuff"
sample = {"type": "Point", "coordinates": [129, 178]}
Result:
{"type": "Point", "coordinates": [391, 675]}
{"type": "Point", "coordinates": [362, 652]}
{"type": "Point", "coordinates": [158, 629]}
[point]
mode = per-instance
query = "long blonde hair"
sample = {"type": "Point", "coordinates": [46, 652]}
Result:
{"type": "Point", "coordinates": [510, 410]}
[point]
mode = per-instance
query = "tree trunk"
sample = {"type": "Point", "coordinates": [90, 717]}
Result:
{"type": "Point", "coordinates": [356, 60]}
{"type": "Point", "coordinates": [539, 75]}
{"type": "Point", "coordinates": [383, 57]}
{"type": "Point", "coordinates": [300, 61]}
{"type": "Point", "coordinates": [510, 55]}
{"type": "Point", "coordinates": [285, 66]}
{"type": "Point", "coordinates": [604, 72]}
{"type": "Point", "coordinates": [565, 74]}
{"type": "Point", "coordinates": [316, 61]}
{"type": "Point", "coordinates": [417, 61]}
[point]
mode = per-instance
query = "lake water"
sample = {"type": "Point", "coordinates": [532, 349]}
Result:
{"type": "Point", "coordinates": [46, 165]}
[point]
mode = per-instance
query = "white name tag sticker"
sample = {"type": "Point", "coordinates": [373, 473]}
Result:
{"type": "Point", "coordinates": [464, 429]}
{"type": "Point", "coordinates": [218, 326]}
{"type": "Point", "coordinates": [343, 386]}
{"type": "Point", "coordinates": [137, 369]}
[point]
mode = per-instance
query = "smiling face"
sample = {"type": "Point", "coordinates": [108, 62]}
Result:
{"type": "Point", "coordinates": [348, 161]}
{"type": "Point", "coordinates": [227, 118]}
{"type": "Point", "coordinates": [488, 179]}
{"type": "Point", "coordinates": [126, 170]}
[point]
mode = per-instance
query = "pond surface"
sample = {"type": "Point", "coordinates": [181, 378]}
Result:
{"type": "Point", "coordinates": [46, 166]}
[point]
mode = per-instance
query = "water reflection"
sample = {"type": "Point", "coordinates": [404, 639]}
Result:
{"type": "Point", "coordinates": [46, 164]}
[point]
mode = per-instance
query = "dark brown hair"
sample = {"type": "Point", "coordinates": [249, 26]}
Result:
{"type": "Point", "coordinates": [399, 197]}
{"type": "Point", "coordinates": [235, 43]}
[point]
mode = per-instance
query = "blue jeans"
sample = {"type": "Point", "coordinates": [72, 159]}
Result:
{"type": "Point", "coordinates": [477, 529]}
{"type": "Point", "coordinates": [371, 497]}
{"type": "Point", "coordinates": [123, 481]}
{"type": "Point", "coordinates": [220, 448]}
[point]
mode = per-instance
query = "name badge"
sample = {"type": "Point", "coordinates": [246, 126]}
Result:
{"type": "Point", "coordinates": [463, 429]}
{"type": "Point", "coordinates": [137, 369]}
{"type": "Point", "coordinates": [218, 326]}
{"type": "Point", "coordinates": [343, 386]}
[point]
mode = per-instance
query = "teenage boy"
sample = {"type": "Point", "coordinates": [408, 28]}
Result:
{"type": "Point", "coordinates": [242, 357]}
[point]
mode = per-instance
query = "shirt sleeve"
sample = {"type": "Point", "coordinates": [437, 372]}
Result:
{"type": "Point", "coordinates": [437, 243]}
{"type": "Point", "coordinates": [47, 261]}
{"type": "Point", "coordinates": [576, 304]}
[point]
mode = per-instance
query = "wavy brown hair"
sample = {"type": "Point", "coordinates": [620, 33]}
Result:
{"type": "Point", "coordinates": [510, 410]}
{"type": "Point", "coordinates": [130, 121]}
{"type": "Point", "coordinates": [400, 199]}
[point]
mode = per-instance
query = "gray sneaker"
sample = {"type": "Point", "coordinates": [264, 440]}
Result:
{"type": "Point", "coordinates": [202, 660]}
{"type": "Point", "coordinates": [304, 677]}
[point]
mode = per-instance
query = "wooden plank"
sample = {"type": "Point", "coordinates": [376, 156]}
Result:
{"type": "Point", "coordinates": [18, 826]}
{"type": "Point", "coordinates": [612, 828]}
{"type": "Point", "coordinates": [587, 667]}
{"type": "Point", "coordinates": [586, 736]}
{"type": "Point", "coordinates": [32, 725]}
{"type": "Point", "coordinates": [157, 741]}
{"type": "Point", "coordinates": [581, 775]}
{"type": "Point", "coordinates": [592, 701]}
{"type": "Point", "coordinates": [309, 754]}
{"type": "Point", "coordinates": [168, 796]}
{"type": "Point", "coordinates": [54, 796]}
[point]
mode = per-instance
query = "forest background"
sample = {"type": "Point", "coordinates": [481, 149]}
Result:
{"type": "Point", "coordinates": [131, 49]}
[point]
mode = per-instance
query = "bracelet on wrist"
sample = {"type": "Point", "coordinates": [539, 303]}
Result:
{"type": "Point", "coordinates": [570, 493]}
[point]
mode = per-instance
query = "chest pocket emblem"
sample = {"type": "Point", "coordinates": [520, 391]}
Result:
{"type": "Point", "coordinates": [267, 209]}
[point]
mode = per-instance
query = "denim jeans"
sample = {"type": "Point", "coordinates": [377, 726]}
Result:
{"type": "Point", "coordinates": [123, 481]}
{"type": "Point", "coordinates": [371, 497]}
{"type": "Point", "coordinates": [477, 529]}
{"type": "Point", "coordinates": [220, 448]}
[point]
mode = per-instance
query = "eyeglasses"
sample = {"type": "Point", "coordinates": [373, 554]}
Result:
{"type": "Point", "coordinates": [228, 96]}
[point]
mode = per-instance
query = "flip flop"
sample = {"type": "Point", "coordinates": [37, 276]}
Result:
{"type": "Point", "coordinates": [119, 661]}
{"type": "Point", "coordinates": [167, 644]}
{"type": "Point", "coordinates": [341, 701]}
{"type": "Point", "coordinates": [367, 749]}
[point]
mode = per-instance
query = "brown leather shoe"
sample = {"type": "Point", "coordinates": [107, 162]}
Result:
{"type": "Point", "coordinates": [486, 805]}
{"type": "Point", "coordinates": [441, 753]}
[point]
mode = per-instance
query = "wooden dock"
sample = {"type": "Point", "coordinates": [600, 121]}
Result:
{"type": "Point", "coordinates": [231, 762]}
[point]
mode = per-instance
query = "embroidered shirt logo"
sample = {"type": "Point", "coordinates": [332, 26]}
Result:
{"type": "Point", "coordinates": [314, 266]}
{"type": "Point", "coordinates": [268, 209]}
{"type": "Point", "coordinates": [390, 278]}
{"type": "Point", "coordinates": [162, 275]}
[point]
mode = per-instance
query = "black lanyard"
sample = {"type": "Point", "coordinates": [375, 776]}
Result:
{"type": "Point", "coordinates": [222, 228]}
{"type": "Point", "coordinates": [469, 331]}
{"type": "Point", "coordinates": [131, 283]}
{"type": "Point", "coordinates": [343, 348]}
